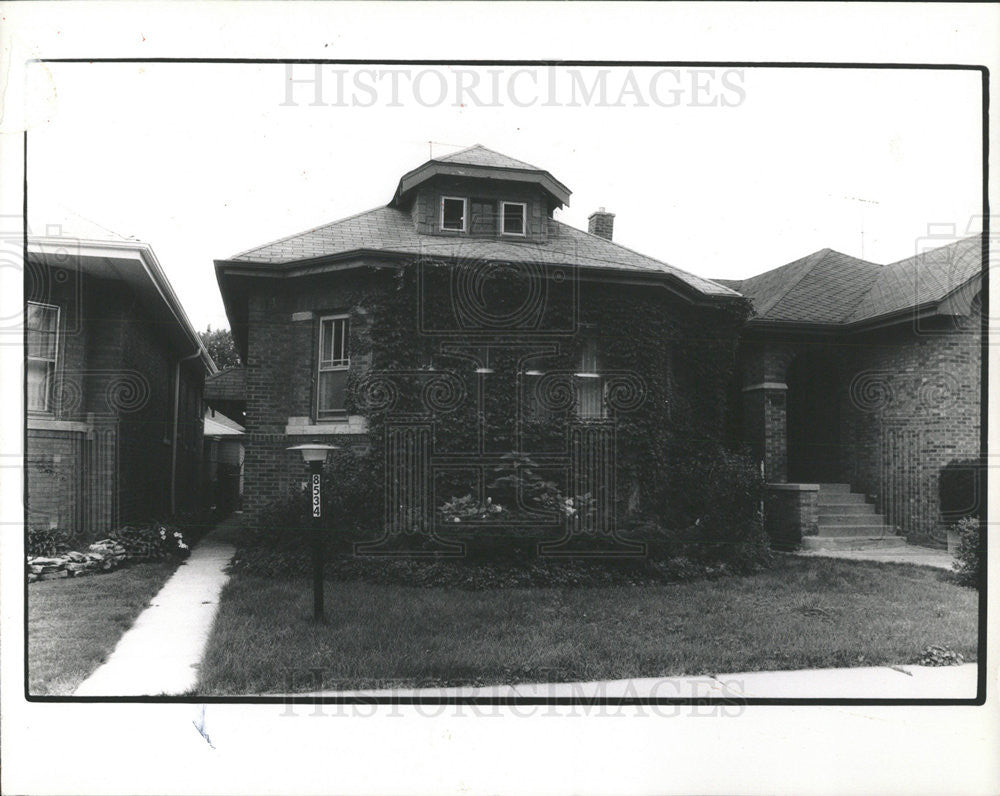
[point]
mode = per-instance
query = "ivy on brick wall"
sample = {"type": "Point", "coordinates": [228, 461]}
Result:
{"type": "Point", "coordinates": [484, 358]}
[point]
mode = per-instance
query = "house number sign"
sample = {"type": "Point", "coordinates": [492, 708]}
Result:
{"type": "Point", "coordinates": [315, 495]}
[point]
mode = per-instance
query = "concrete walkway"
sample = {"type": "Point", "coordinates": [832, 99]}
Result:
{"type": "Point", "coordinates": [869, 682]}
{"type": "Point", "coordinates": [910, 554]}
{"type": "Point", "coordinates": [161, 652]}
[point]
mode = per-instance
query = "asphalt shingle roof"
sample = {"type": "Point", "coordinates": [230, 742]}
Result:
{"type": "Point", "coordinates": [925, 277]}
{"type": "Point", "coordinates": [478, 155]}
{"type": "Point", "coordinates": [834, 288]}
{"type": "Point", "coordinates": [391, 230]}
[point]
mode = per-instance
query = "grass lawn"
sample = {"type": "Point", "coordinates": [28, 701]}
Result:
{"type": "Point", "coordinates": [803, 613]}
{"type": "Point", "coordinates": [75, 623]}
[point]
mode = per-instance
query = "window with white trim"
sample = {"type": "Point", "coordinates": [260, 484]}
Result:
{"type": "Point", "coordinates": [513, 218]}
{"type": "Point", "coordinates": [453, 213]}
{"type": "Point", "coordinates": [334, 362]}
{"type": "Point", "coordinates": [42, 325]}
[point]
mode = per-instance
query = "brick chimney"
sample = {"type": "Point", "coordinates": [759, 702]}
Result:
{"type": "Point", "coordinates": [601, 223]}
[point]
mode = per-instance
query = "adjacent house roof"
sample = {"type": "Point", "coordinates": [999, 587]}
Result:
{"type": "Point", "coordinates": [830, 288]}
{"type": "Point", "coordinates": [823, 287]}
{"type": "Point", "coordinates": [227, 385]}
{"type": "Point", "coordinates": [928, 277]}
{"type": "Point", "coordinates": [135, 264]}
{"type": "Point", "coordinates": [218, 425]}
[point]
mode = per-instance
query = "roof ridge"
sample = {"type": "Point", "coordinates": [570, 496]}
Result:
{"type": "Point", "coordinates": [283, 238]}
{"type": "Point", "coordinates": [792, 283]}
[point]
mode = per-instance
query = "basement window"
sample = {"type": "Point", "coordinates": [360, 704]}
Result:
{"type": "Point", "coordinates": [334, 363]}
{"type": "Point", "coordinates": [514, 217]}
{"type": "Point", "coordinates": [453, 214]}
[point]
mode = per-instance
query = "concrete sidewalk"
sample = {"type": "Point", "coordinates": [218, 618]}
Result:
{"type": "Point", "coordinates": [870, 682]}
{"type": "Point", "coordinates": [161, 652]}
{"type": "Point", "coordinates": [910, 554]}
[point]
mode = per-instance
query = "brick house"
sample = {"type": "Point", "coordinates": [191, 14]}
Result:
{"type": "Point", "coordinates": [114, 376]}
{"type": "Point", "coordinates": [303, 313]}
{"type": "Point", "coordinates": [860, 383]}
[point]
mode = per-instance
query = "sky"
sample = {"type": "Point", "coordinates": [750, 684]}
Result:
{"type": "Point", "coordinates": [723, 175]}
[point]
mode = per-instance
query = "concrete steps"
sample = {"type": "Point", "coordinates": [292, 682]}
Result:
{"type": "Point", "coordinates": [847, 521]}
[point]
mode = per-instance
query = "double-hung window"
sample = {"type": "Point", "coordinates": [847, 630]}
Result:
{"type": "Point", "coordinates": [453, 214]}
{"type": "Point", "coordinates": [334, 363]}
{"type": "Point", "coordinates": [513, 217]}
{"type": "Point", "coordinates": [42, 325]}
{"type": "Point", "coordinates": [589, 385]}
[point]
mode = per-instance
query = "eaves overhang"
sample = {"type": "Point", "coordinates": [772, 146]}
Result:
{"type": "Point", "coordinates": [234, 277]}
{"type": "Point", "coordinates": [432, 168]}
{"type": "Point", "coordinates": [135, 264]}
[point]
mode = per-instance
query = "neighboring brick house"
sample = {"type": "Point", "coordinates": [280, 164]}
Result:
{"type": "Point", "coordinates": [867, 377]}
{"type": "Point", "coordinates": [300, 309]}
{"type": "Point", "coordinates": [114, 378]}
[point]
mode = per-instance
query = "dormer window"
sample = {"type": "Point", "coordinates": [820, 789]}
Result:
{"type": "Point", "coordinates": [513, 217]}
{"type": "Point", "coordinates": [453, 213]}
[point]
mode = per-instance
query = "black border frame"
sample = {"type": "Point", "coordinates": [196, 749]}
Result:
{"type": "Point", "coordinates": [978, 700]}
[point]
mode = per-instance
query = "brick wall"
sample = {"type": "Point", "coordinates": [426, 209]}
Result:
{"type": "Point", "coordinates": [909, 403]}
{"type": "Point", "coordinates": [281, 370]}
{"type": "Point", "coordinates": [791, 511]}
{"type": "Point", "coordinates": [115, 378]}
{"type": "Point", "coordinates": [914, 407]}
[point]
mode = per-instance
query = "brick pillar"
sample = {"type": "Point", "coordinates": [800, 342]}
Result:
{"type": "Point", "coordinates": [766, 427]}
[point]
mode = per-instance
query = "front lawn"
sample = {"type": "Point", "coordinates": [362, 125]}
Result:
{"type": "Point", "coordinates": [802, 613]}
{"type": "Point", "coordinates": [75, 623]}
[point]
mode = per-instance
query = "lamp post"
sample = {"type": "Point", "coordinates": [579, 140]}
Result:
{"type": "Point", "coordinates": [314, 454]}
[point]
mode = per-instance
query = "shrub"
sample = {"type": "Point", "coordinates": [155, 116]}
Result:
{"type": "Point", "coordinates": [968, 562]}
{"type": "Point", "coordinates": [717, 503]}
{"type": "Point", "coordinates": [154, 540]}
{"type": "Point", "coordinates": [49, 542]}
{"type": "Point", "coordinates": [935, 655]}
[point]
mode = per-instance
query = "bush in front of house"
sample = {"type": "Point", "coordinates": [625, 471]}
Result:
{"type": "Point", "coordinates": [715, 502]}
{"type": "Point", "coordinates": [968, 561]}
{"type": "Point", "coordinates": [57, 554]}
{"type": "Point", "coordinates": [48, 542]}
{"type": "Point", "coordinates": [150, 541]}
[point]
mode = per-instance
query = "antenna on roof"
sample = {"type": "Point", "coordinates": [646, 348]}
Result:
{"type": "Point", "coordinates": [863, 203]}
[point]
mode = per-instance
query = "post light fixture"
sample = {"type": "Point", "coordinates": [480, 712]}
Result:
{"type": "Point", "coordinates": [314, 454]}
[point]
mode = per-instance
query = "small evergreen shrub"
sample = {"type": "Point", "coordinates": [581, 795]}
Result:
{"type": "Point", "coordinates": [968, 562]}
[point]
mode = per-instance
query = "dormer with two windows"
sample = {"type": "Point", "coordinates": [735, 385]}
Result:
{"type": "Point", "coordinates": [479, 193]}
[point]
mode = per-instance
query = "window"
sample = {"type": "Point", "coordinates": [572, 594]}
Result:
{"type": "Point", "coordinates": [590, 392]}
{"type": "Point", "coordinates": [42, 322]}
{"type": "Point", "coordinates": [334, 361]}
{"type": "Point", "coordinates": [513, 217]}
{"type": "Point", "coordinates": [453, 214]}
